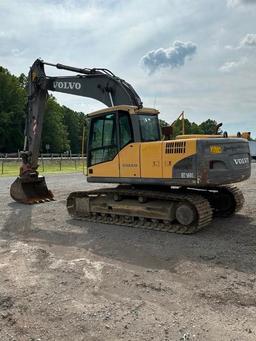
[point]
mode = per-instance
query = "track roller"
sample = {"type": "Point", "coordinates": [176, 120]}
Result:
{"type": "Point", "coordinates": [161, 211]}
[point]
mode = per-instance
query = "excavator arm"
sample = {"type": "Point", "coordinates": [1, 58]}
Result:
{"type": "Point", "coordinates": [97, 83]}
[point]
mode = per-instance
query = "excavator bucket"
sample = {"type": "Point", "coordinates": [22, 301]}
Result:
{"type": "Point", "coordinates": [30, 190]}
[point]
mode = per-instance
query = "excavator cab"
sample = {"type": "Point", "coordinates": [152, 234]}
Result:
{"type": "Point", "coordinates": [115, 138]}
{"type": "Point", "coordinates": [112, 129]}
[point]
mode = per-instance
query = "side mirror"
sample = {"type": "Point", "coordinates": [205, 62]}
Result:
{"type": "Point", "coordinates": [167, 132]}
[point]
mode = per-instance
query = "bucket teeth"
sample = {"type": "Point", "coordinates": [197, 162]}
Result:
{"type": "Point", "coordinates": [30, 190]}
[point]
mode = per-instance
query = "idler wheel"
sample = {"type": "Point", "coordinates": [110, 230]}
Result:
{"type": "Point", "coordinates": [185, 214]}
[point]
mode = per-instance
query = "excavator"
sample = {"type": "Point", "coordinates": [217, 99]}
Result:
{"type": "Point", "coordinates": [172, 185]}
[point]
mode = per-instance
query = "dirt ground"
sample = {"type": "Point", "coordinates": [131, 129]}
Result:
{"type": "Point", "coordinates": [62, 279]}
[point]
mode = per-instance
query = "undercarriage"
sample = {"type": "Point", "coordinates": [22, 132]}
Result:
{"type": "Point", "coordinates": [180, 210]}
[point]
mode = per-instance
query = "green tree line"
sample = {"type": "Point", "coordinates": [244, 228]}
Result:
{"type": "Point", "coordinates": [207, 127]}
{"type": "Point", "coordinates": [62, 129]}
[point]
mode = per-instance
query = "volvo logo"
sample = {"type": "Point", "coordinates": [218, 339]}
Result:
{"type": "Point", "coordinates": [242, 161]}
{"type": "Point", "coordinates": [67, 85]}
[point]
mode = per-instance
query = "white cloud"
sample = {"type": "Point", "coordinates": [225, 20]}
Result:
{"type": "Point", "coordinates": [249, 40]}
{"type": "Point", "coordinates": [173, 56]}
{"type": "Point", "coordinates": [116, 34]}
{"type": "Point", "coordinates": [233, 65]}
{"type": "Point", "coordinates": [17, 52]}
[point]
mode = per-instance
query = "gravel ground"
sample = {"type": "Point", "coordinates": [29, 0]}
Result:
{"type": "Point", "coordinates": [62, 279]}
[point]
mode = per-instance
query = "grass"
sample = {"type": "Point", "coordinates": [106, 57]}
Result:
{"type": "Point", "coordinates": [12, 167]}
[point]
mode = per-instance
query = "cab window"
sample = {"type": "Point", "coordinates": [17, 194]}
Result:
{"type": "Point", "coordinates": [103, 139]}
{"type": "Point", "coordinates": [149, 127]}
{"type": "Point", "coordinates": [125, 129]}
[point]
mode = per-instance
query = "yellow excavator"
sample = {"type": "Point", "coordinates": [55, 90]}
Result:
{"type": "Point", "coordinates": [168, 185]}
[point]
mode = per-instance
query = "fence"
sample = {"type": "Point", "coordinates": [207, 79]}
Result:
{"type": "Point", "coordinates": [48, 163]}
{"type": "Point", "coordinates": [67, 155]}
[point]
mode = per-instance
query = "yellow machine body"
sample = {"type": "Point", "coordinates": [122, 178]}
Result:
{"type": "Point", "coordinates": [145, 160]}
{"type": "Point", "coordinates": [198, 160]}
{"type": "Point", "coordinates": [169, 185]}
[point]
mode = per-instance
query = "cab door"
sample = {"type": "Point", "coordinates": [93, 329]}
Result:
{"type": "Point", "coordinates": [103, 160]}
{"type": "Point", "coordinates": [129, 155]}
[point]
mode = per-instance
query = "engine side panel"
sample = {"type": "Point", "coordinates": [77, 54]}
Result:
{"type": "Point", "coordinates": [223, 161]}
{"type": "Point", "coordinates": [174, 153]}
{"type": "Point", "coordinates": [192, 163]}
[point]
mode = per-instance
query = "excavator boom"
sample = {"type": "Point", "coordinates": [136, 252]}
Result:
{"type": "Point", "coordinates": [98, 83]}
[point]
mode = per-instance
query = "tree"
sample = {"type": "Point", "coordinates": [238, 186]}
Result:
{"type": "Point", "coordinates": [74, 121]}
{"type": "Point", "coordinates": [54, 130]}
{"type": "Point", "coordinates": [208, 127]}
{"type": "Point", "coordinates": [23, 80]}
{"type": "Point", "coordinates": [12, 112]}
{"type": "Point", "coordinates": [190, 128]}
{"type": "Point", "coordinates": [62, 127]}
{"type": "Point", "coordinates": [163, 123]}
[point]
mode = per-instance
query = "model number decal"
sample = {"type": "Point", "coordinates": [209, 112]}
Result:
{"type": "Point", "coordinates": [132, 165]}
{"type": "Point", "coordinates": [185, 175]}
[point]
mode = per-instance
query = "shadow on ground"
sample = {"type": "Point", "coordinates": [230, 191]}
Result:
{"type": "Point", "coordinates": [18, 221]}
{"type": "Point", "coordinates": [229, 242]}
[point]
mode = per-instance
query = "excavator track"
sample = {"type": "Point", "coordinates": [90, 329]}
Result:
{"type": "Point", "coordinates": [187, 213]}
{"type": "Point", "coordinates": [224, 200]}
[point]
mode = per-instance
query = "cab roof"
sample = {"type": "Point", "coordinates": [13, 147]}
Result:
{"type": "Point", "coordinates": [129, 108]}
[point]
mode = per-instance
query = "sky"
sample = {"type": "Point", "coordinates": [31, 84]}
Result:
{"type": "Point", "coordinates": [194, 56]}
